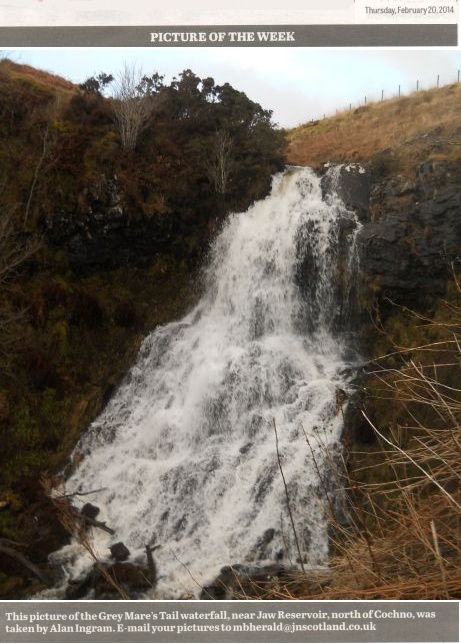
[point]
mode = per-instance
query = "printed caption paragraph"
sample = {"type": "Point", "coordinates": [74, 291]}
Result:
{"type": "Point", "coordinates": [239, 621]}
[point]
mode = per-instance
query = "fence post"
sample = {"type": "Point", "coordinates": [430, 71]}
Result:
{"type": "Point", "coordinates": [438, 80]}
{"type": "Point", "coordinates": [382, 95]}
{"type": "Point", "coordinates": [417, 85]}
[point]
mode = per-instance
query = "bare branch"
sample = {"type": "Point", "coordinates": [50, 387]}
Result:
{"type": "Point", "coordinates": [219, 167]}
{"type": "Point", "coordinates": [132, 105]}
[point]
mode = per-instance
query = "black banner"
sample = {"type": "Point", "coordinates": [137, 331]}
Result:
{"type": "Point", "coordinates": [399, 35]}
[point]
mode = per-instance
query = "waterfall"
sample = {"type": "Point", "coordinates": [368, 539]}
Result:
{"type": "Point", "coordinates": [185, 455]}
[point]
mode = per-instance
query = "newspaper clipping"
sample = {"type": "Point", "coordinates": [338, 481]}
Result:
{"type": "Point", "coordinates": [230, 321]}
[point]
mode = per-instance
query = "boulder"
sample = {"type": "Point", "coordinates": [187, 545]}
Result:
{"type": "Point", "coordinates": [133, 580]}
{"type": "Point", "coordinates": [119, 551]}
{"type": "Point", "coordinates": [90, 511]}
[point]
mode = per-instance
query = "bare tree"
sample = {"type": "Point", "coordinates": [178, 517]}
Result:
{"type": "Point", "coordinates": [220, 165]}
{"type": "Point", "coordinates": [132, 105]}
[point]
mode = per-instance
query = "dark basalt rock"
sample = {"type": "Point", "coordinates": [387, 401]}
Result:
{"type": "Point", "coordinates": [76, 589]}
{"type": "Point", "coordinates": [89, 510]}
{"type": "Point", "coordinates": [411, 228]}
{"type": "Point", "coordinates": [132, 579]}
{"type": "Point", "coordinates": [110, 238]}
{"type": "Point", "coordinates": [105, 235]}
{"type": "Point", "coordinates": [353, 184]}
{"type": "Point", "coordinates": [235, 580]}
{"type": "Point", "coordinates": [119, 551]}
{"type": "Point", "coordinates": [412, 235]}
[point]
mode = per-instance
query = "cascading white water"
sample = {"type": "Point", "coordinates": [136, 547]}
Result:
{"type": "Point", "coordinates": [185, 452]}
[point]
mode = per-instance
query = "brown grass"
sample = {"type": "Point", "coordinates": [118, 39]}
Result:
{"type": "Point", "coordinates": [39, 76]}
{"type": "Point", "coordinates": [410, 126]}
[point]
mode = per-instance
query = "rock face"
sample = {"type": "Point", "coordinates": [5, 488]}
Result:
{"type": "Point", "coordinates": [105, 235]}
{"type": "Point", "coordinates": [411, 229]}
{"type": "Point", "coordinates": [353, 186]}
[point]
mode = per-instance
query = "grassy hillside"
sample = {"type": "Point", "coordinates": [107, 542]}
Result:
{"type": "Point", "coordinates": [391, 135]}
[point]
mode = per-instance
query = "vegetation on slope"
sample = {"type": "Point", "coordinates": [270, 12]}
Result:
{"type": "Point", "coordinates": [68, 332]}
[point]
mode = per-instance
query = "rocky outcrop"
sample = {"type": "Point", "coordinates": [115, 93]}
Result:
{"type": "Point", "coordinates": [411, 230]}
{"type": "Point", "coordinates": [105, 234]}
{"type": "Point", "coordinates": [352, 183]}
{"type": "Point", "coordinates": [413, 234]}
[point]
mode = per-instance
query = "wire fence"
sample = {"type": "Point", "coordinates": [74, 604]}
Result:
{"type": "Point", "coordinates": [400, 91]}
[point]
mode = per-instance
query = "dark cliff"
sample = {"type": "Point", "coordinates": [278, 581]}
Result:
{"type": "Point", "coordinates": [413, 233]}
{"type": "Point", "coordinates": [410, 231]}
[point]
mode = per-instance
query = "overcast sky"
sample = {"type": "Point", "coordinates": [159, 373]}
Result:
{"type": "Point", "coordinates": [297, 84]}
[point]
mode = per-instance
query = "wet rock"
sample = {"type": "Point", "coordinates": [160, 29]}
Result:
{"type": "Point", "coordinates": [116, 581]}
{"type": "Point", "coordinates": [412, 235]}
{"type": "Point", "coordinates": [217, 591]}
{"type": "Point", "coordinates": [237, 581]}
{"type": "Point", "coordinates": [263, 542]}
{"type": "Point", "coordinates": [90, 511]}
{"type": "Point", "coordinates": [245, 448]}
{"type": "Point", "coordinates": [353, 186]}
{"type": "Point", "coordinates": [119, 551]}
{"type": "Point", "coordinates": [76, 589]}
